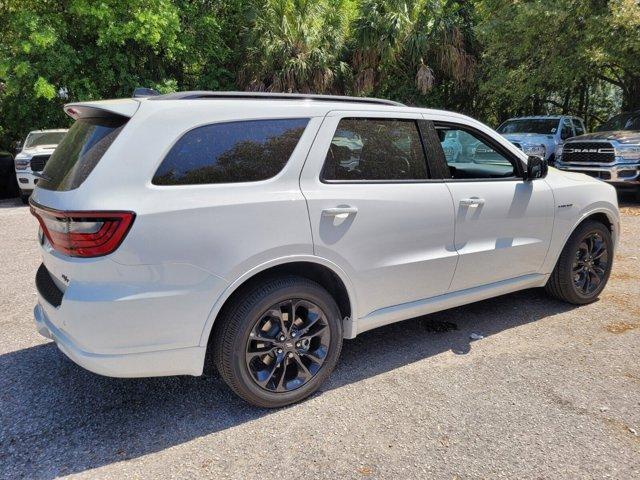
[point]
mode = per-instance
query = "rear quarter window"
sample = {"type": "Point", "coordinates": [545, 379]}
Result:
{"type": "Point", "coordinates": [230, 152]}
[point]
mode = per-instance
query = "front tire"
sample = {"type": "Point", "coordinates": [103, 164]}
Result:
{"type": "Point", "coordinates": [584, 266]}
{"type": "Point", "coordinates": [278, 342]}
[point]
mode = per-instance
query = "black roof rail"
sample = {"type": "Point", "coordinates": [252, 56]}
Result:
{"type": "Point", "coordinates": [197, 95]}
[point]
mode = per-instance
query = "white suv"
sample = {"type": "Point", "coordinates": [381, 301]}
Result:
{"type": "Point", "coordinates": [31, 160]}
{"type": "Point", "coordinates": [266, 228]}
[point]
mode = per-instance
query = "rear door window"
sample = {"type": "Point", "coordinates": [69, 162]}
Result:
{"type": "Point", "coordinates": [79, 152]}
{"type": "Point", "coordinates": [246, 151]}
{"type": "Point", "coordinates": [375, 149]}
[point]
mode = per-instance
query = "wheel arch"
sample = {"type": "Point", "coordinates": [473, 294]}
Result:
{"type": "Point", "coordinates": [318, 269]}
{"type": "Point", "coordinates": [603, 214]}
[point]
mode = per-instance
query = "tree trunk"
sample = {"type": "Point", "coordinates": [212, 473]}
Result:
{"type": "Point", "coordinates": [566, 103]}
{"type": "Point", "coordinates": [586, 118]}
{"type": "Point", "coordinates": [537, 105]}
{"type": "Point", "coordinates": [631, 93]}
{"type": "Point", "coordinates": [581, 98]}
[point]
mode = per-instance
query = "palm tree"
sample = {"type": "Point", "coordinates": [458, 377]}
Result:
{"type": "Point", "coordinates": [424, 40]}
{"type": "Point", "coordinates": [295, 46]}
{"type": "Point", "coordinates": [379, 33]}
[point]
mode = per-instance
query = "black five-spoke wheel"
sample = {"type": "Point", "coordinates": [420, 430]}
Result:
{"type": "Point", "coordinates": [591, 263]}
{"type": "Point", "coordinates": [278, 341]}
{"type": "Point", "coordinates": [288, 345]}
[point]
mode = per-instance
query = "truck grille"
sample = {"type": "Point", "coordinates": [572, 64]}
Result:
{"type": "Point", "coordinates": [38, 162]}
{"type": "Point", "coordinates": [588, 152]}
{"type": "Point", "coordinates": [47, 287]}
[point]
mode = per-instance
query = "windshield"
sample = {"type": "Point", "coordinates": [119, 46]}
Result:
{"type": "Point", "coordinates": [544, 126]}
{"type": "Point", "coordinates": [35, 139]}
{"type": "Point", "coordinates": [624, 121]}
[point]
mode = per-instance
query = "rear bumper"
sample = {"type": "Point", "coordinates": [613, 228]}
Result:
{"type": "Point", "coordinates": [623, 175]}
{"type": "Point", "coordinates": [181, 361]}
{"type": "Point", "coordinates": [126, 321]}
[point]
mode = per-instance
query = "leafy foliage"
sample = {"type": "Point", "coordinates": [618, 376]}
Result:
{"type": "Point", "coordinates": [488, 58]}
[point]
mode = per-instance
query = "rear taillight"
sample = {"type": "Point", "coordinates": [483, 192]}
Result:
{"type": "Point", "coordinates": [83, 234]}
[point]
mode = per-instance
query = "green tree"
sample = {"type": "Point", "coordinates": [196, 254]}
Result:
{"type": "Point", "coordinates": [613, 47]}
{"type": "Point", "coordinates": [559, 56]}
{"type": "Point", "coordinates": [295, 46]}
{"type": "Point", "coordinates": [70, 50]}
{"type": "Point", "coordinates": [488, 58]}
{"type": "Point", "coordinates": [419, 52]}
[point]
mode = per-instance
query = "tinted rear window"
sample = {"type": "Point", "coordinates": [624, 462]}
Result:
{"type": "Point", "coordinates": [79, 152]}
{"type": "Point", "coordinates": [246, 151]}
{"type": "Point", "coordinates": [379, 149]}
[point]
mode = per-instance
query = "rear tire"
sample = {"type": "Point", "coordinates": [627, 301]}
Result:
{"type": "Point", "coordinates": [584, 266]}
{"type": "Point", "coordinates": [278, 341]}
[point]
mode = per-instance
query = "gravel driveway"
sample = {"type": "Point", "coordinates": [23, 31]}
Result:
{"type": "Point", "coordinates": [550, 391]}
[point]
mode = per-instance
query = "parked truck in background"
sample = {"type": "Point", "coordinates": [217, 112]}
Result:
{"type": "Point", "coordinates": [30, 161]}
{"type": "Point", "coordinates": [541, 135]}
{"type": "Point", "coordinates": [611, 153]}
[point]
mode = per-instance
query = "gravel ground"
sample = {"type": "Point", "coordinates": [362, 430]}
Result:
{"type": "Point", "coordinates": [551, 391]}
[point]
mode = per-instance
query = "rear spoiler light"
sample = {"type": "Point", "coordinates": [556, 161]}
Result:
{"type": "Point", "coordinates": [83, 233]}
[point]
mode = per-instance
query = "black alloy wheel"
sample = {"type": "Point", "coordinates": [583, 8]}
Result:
{"type": "Point", "coordinates": [584, 266]}
{"type": "Point", "coordinates": [288, 345]}
{"type": "Point", "coordinates": [278, 340]}
{"type": "Point", "coordinates": [591, 264]}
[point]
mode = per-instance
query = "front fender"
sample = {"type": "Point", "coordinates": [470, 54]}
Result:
{"type": "Point", "coordinates": [563, 228]}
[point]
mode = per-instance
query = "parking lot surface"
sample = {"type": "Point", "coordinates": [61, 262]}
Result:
{"type": "Point", "coordinates": [549, 391]}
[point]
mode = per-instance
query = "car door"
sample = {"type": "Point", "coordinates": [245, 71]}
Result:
{"type": "Point", "coordinates": [374, 210]}
{"type": "Point", "coordinates": [503, 224]}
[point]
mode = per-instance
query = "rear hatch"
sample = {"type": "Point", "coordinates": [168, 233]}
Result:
{"type": "Point", "coordinates": [69, 235]}
{"type": "Point", "coordinates": [97, 126]}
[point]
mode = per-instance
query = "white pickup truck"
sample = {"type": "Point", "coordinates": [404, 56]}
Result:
{"type": "Point", "coordinates": [37, 148]}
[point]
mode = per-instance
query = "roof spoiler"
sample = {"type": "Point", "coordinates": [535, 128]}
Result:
{"type": "Point", "coordinates": [126, 107]}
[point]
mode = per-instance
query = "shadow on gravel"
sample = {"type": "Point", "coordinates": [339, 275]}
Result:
{"type": "Point", "coordinates": [57, 419]}
{"type": "Point", "coordinates": [11, 203]}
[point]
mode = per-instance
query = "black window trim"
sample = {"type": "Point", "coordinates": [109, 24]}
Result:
{"type": "Point", "coordinates": [416, 121]}
{"type": "Point", "coordinates": [514, 159]}
{"type": "Point", "coordinates": [222, 122]}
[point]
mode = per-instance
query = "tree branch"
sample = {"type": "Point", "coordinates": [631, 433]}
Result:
{"type": "Point", "coordinates": [610, 80]}
{"type": "Point", "coordinates": [553, 102]}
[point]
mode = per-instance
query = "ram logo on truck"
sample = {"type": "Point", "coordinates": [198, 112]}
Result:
{"type": "Point", "coordinates": [611, 153]}
{"type": "Point", "coordinates": [588, 150]}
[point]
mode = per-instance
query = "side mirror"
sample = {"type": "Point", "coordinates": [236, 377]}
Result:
{"type": "Point", "coordinates": [537, 167]}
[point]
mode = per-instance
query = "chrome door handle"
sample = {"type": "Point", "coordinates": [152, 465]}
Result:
{"type": "Point", "coordinates": [472, 202]}
{"type": "Point", "coordinates": [339, 211]}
